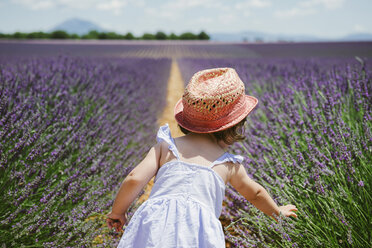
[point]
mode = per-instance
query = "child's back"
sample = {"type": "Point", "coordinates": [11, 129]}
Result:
{"type": "Point", "coordinates": [186, 199]}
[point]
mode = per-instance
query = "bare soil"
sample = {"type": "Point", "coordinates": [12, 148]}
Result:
{"type": "Point", "coordinates": [174, 93]}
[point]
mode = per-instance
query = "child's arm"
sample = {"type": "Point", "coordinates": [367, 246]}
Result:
{"type": "Point", "coordinates": [257, 195]}
{"type": "Point", "coordinates": [132, 186]}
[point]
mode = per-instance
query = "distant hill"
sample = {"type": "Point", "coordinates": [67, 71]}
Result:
{"type": "Point", "coordinates": [358, 37]}
{"type": "Point", "coordinates": [253, 36]}
{"type": "Point", "coordinates": [77, 26]}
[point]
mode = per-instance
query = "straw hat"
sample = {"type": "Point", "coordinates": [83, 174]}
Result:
{"type": "Point", "coordinates": [214, 100]}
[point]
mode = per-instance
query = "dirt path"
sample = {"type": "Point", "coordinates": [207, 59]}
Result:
{"type": "Point", "coordinates": [174, 93]}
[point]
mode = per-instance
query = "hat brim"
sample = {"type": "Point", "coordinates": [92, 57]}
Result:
{"type": "Point", "coordinates": [248, 104]}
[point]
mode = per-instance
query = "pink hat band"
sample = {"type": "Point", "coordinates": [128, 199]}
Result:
{"type": "Point", "coordinates": [213, 100]}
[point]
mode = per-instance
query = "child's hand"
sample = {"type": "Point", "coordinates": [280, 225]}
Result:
{"type": "Point", "coordinates": [116, 220]}
{"type": "Point", "coordinates": [288, 210]}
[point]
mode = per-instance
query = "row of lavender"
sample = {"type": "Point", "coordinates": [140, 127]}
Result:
{"type": "Point", "coordinates": [309, 143]}
{"type": "Point", "coordinates": [188, 49]}
{"type": "Point", "coordinates": [71, 129]}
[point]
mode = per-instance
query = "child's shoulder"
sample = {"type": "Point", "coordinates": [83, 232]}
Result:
{"type": "Point", "coordinates": [165, 154]}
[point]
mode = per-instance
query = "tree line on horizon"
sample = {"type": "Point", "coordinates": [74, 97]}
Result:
{"type": "Point", "coordinates": [93, 34]}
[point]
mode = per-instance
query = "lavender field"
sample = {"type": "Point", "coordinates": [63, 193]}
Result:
{"type": "Point", "coordinates": [182, 49]}
{"type": "Point", "coordinates": [309, 143]}
{"type": "Point", "coordinates": [71, 130]}
{"type": "Point", "coordinates": [75, 119]}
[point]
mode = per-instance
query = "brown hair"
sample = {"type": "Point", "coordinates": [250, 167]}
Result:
{"type": "Point", "coordinates": [229, 136]}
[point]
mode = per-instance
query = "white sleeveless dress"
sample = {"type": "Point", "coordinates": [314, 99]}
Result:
{"type": "Point", "coordinates": [184, 205]}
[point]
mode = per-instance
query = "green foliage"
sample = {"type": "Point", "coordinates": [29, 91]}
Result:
{"type": "Point", "coordinates": [129, 36]}
{"type": "Point", "coordinates": [147, 36]}
{"type": "Point", "coordinates": [74, 36]}
{"type": "Point", "coordinates": [19, 35]}
{"type": "Point", "coordinates": [173, 36]}
{"type": "Point", "coordinates": [93, 34]}
{"type": "Point", "coordinates": [2, 36]}
{"type": "Point", "coordinates": [203, 36]}
{"type": "Point", "coordinates": [59, 34]}
{"type": "Point", "coordinates": [188, 36]}
{"type": "Point", "coordinates": [37, 35]}
{"type": "Point", "coordinates": [115, 36]}
{"type": "Point", "coordinates": [160, 35]}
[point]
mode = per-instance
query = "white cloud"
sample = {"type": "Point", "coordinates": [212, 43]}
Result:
{"type": "Point", "coordinates": [259, 3]}
{"type": "Point", "coordinates": [107, 5]}
{"type": "Point", "coordinates": [165, 9]}
{"type": "Point", "coordinates": [77, 4]}
{"type": "Point", "coordinates": [308, 7]}
{"type": "Point", "coordinates": [36, 4]}
{"type": "Point", "coordinates": [359, 28]}
{"type": "Point", "coordinates": [48, 4]}
{"type": "Point", "coordinates": [252, 4]}
{"type": "Point", "coordinates": [294, 12]}
{"type": "Point", "coordinates": [112, 5]}
{"type": "Point", "coordinates": [227, 18]}
{"type": "Point", "coordinates": [177, 5]}
{"type": "Point", "coordinates": [203, 20]}
{"type": "Point", "coordinates": [174, 9]}
{"type": "Point", "coordinates": [217, 11]}
{"type": "Point", "coordinates": [161, 13]}
{"type": "Point", "coordinates": [328, 4]}
{"type": "Point", "coordinates": [139, 3]}
{"type": "Point", "coordinates": [246, 7]}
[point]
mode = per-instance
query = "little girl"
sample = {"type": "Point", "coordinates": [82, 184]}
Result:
{"type": "Point", "coordinates": [192, 171]}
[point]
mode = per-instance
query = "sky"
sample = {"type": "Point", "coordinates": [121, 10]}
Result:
{"type": "Point", "coordinates": [321, 18]}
